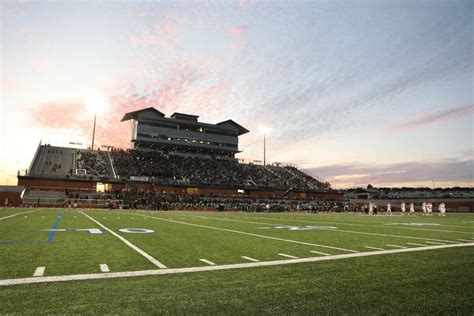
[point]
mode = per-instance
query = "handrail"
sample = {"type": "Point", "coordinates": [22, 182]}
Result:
{"type": "Point", "coordinates": [34, 157]}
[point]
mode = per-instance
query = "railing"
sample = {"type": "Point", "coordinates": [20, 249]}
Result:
{"type": "Point", "coordinates": [34, 157]}
{"type": "Point", "coordinates": [70, 202]}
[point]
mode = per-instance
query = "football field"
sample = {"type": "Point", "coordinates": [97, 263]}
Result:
{"type": "Point", "coordinates": [101, 261]}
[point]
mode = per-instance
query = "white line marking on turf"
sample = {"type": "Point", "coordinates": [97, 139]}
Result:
{"type": "Point", "coordinates": [339, 230]}
{"type": "Point", "coordinates": [104, 267]}
{"type": "Point", "coordinates": [466, 240]}
{"type": "Point", "coordinates": [435, 243]}
{"type": "Point", "coordinates": [251, 234]}
{"type": "Point", "coordinates": [143, 253]}
{"type": "Point", "coordinates": [288, 256]}
{"type": "Point", "coordinates": [250, 259]}
{"type": "Point", "coordinates": [39, 272]}
{"type": "Point", "coordinates": [415, 244]}
{"type": "Point", "coordinates": [112, 275]}
{"type": "Point", "coordinates": [20, 214]}
{"type": "Point", "coordinates": [208, 262]}
{"type": "Point", "coordinates": [325, 221]}
{"type": "Point", "coordinates": [396, 246]}
{"type": "Point", "coordinates": [320, 253]}
{"type": "Point", "coordinates": [373, 248]}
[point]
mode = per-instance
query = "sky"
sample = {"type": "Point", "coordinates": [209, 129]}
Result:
{"type": "Point", "coordinates": [355, 92]}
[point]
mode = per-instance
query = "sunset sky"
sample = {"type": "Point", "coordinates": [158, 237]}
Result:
{"type": "Point", "coordinates": [357, 92]}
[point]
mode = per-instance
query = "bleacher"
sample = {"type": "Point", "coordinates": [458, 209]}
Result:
{"type": "Point", "coordinates": [63, 162]}
{"type": "Point", "coordinates": [177, 169]}
{"type": "Point", "coordinates": [35, 196]}
{"type": "Point", "coordinates": [50, 161]}
{"type": "Point", "coordinates": [167, 169]}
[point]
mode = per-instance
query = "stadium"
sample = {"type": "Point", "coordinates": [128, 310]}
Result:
{"type": "Point", "coordinates": [177, 211]}
{"type": "Point", "coordinates": [237, 157]}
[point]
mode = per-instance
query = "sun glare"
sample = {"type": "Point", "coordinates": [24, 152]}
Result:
{"type": "Point", "coordinates": [96, 104]}
{"type": "Point", "coordinates": [264, 129]}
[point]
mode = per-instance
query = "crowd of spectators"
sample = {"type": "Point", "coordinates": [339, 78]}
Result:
{"type": "Point", "coordinates": [177, 169]}
{"type": "Point", "coordinates": [132, 198]}
{"type": "Point", "coordinates": [94, 162]}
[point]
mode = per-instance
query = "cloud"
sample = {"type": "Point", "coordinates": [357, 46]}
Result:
{"type": "Point", "coordinates": [239, 30]}
{"type": "Point", "coordinates": [443, 171]}
{"type": "Point", "coordinates": [162, 33]}
{"type": "Point", "coordinates": [439, 116]}
{"type": "Point", "coordinates": [184, 85]}
{"type": "Point", "coordinates": [58, 114]}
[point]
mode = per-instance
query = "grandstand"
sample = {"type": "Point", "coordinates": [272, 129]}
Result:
{"type": "Point", "coordinates": [170, 161]}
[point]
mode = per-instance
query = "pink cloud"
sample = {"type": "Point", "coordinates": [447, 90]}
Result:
{"type": "Point", "coordinates": [145, 39]}
{"type": "Point", "coordinates": [163, 33]}
{"type": "Point", "coordinates": [431, 118]}
{"type": "Point", "coordinates": [239, 30]}
{"type": "Point", "coordinates": [58, 114]}
{"type": "Point", "coordinates": [183, 86]}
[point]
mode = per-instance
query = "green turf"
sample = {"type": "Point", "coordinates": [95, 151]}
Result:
{"type": "Point", "coordinates": [420, 282]}
{"type": "Point", "coordinates": [413, 283]}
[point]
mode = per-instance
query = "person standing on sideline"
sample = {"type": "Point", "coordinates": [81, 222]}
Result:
{"type": "Point", "coordinates": [423, 208]}
{"type": "Point", "coordinates": [402, 208]}
{"type": "Point", "coordinates": [389, 209]}
{"type": "Point", "coordinates": [412, 209]}
{"type": "Point", "coordinates": [429, 208]}
{"type": "Point", "coordinates": [371, 208]}
{"type": "Point", "coordinates": [442, 209]}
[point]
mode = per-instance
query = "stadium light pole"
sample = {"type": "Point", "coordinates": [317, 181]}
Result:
{"type": "Point", "coordinates": [93, 131]}
{"type": "Point", "coordinates": [96, 105]}
{"type": "Point", "coordinates": [265, 130]}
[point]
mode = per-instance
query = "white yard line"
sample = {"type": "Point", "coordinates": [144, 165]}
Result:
{"type": "Point", "coordinates": [388, 235]}
{"type": "Point", "coordinates": [320, 253]}
{"type": "Point", "coordinates": [125, 241]}
{"type": "Point", "coordinates": [104, 267]}
{"type": "Point", "coordinates": [374, 223]}
{"type": "Point", "coordinates": [351, 223]}
{"type": "Point", "coordinates": [9, 216]}
{"type": "Point", "coordinates": [39, 272]}
{"type": "Point", "coordinates": [338, 230]}
{"type": "Point", "coordinates": [415, 244]}
{"type": "Point", "coordinates": [373, 248]}
{"type": "Point", "coordinates": [94, 276]}
{"type": "Point", "coordinates": [465, 240]}
{"type": "Point", "coordinates": [396, 246]}
{"type": "Point", "coordinates": [251, 234]}
{"type": "Point", "coordinates": [207, 262]}
{"type": "Point", "coordinates": [250, 259]}
{"type": "Point", "coordinates": [288, 256]}
{"type": "Point", "coordinates": [435, 243]}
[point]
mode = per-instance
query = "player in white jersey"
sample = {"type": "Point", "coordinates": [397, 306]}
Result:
{"type": "Point", "coordinates": [371, 208]}
{"type": "Point", "coordinates": [389, 209]}
{"type": "Point", "coordinates": [429, 209]}
{"type": "Point", "coordinates": [412, 209]}
{"type": "Point", "coordinates": [402, 208]}
{"type": "Point", "coordinates": [423, 208]}
{"type": "Point", "coordinates": [442, 209]}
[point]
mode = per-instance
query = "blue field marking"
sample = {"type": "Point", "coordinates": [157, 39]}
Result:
{"type": "Point", "coordinates": [51, 234]}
